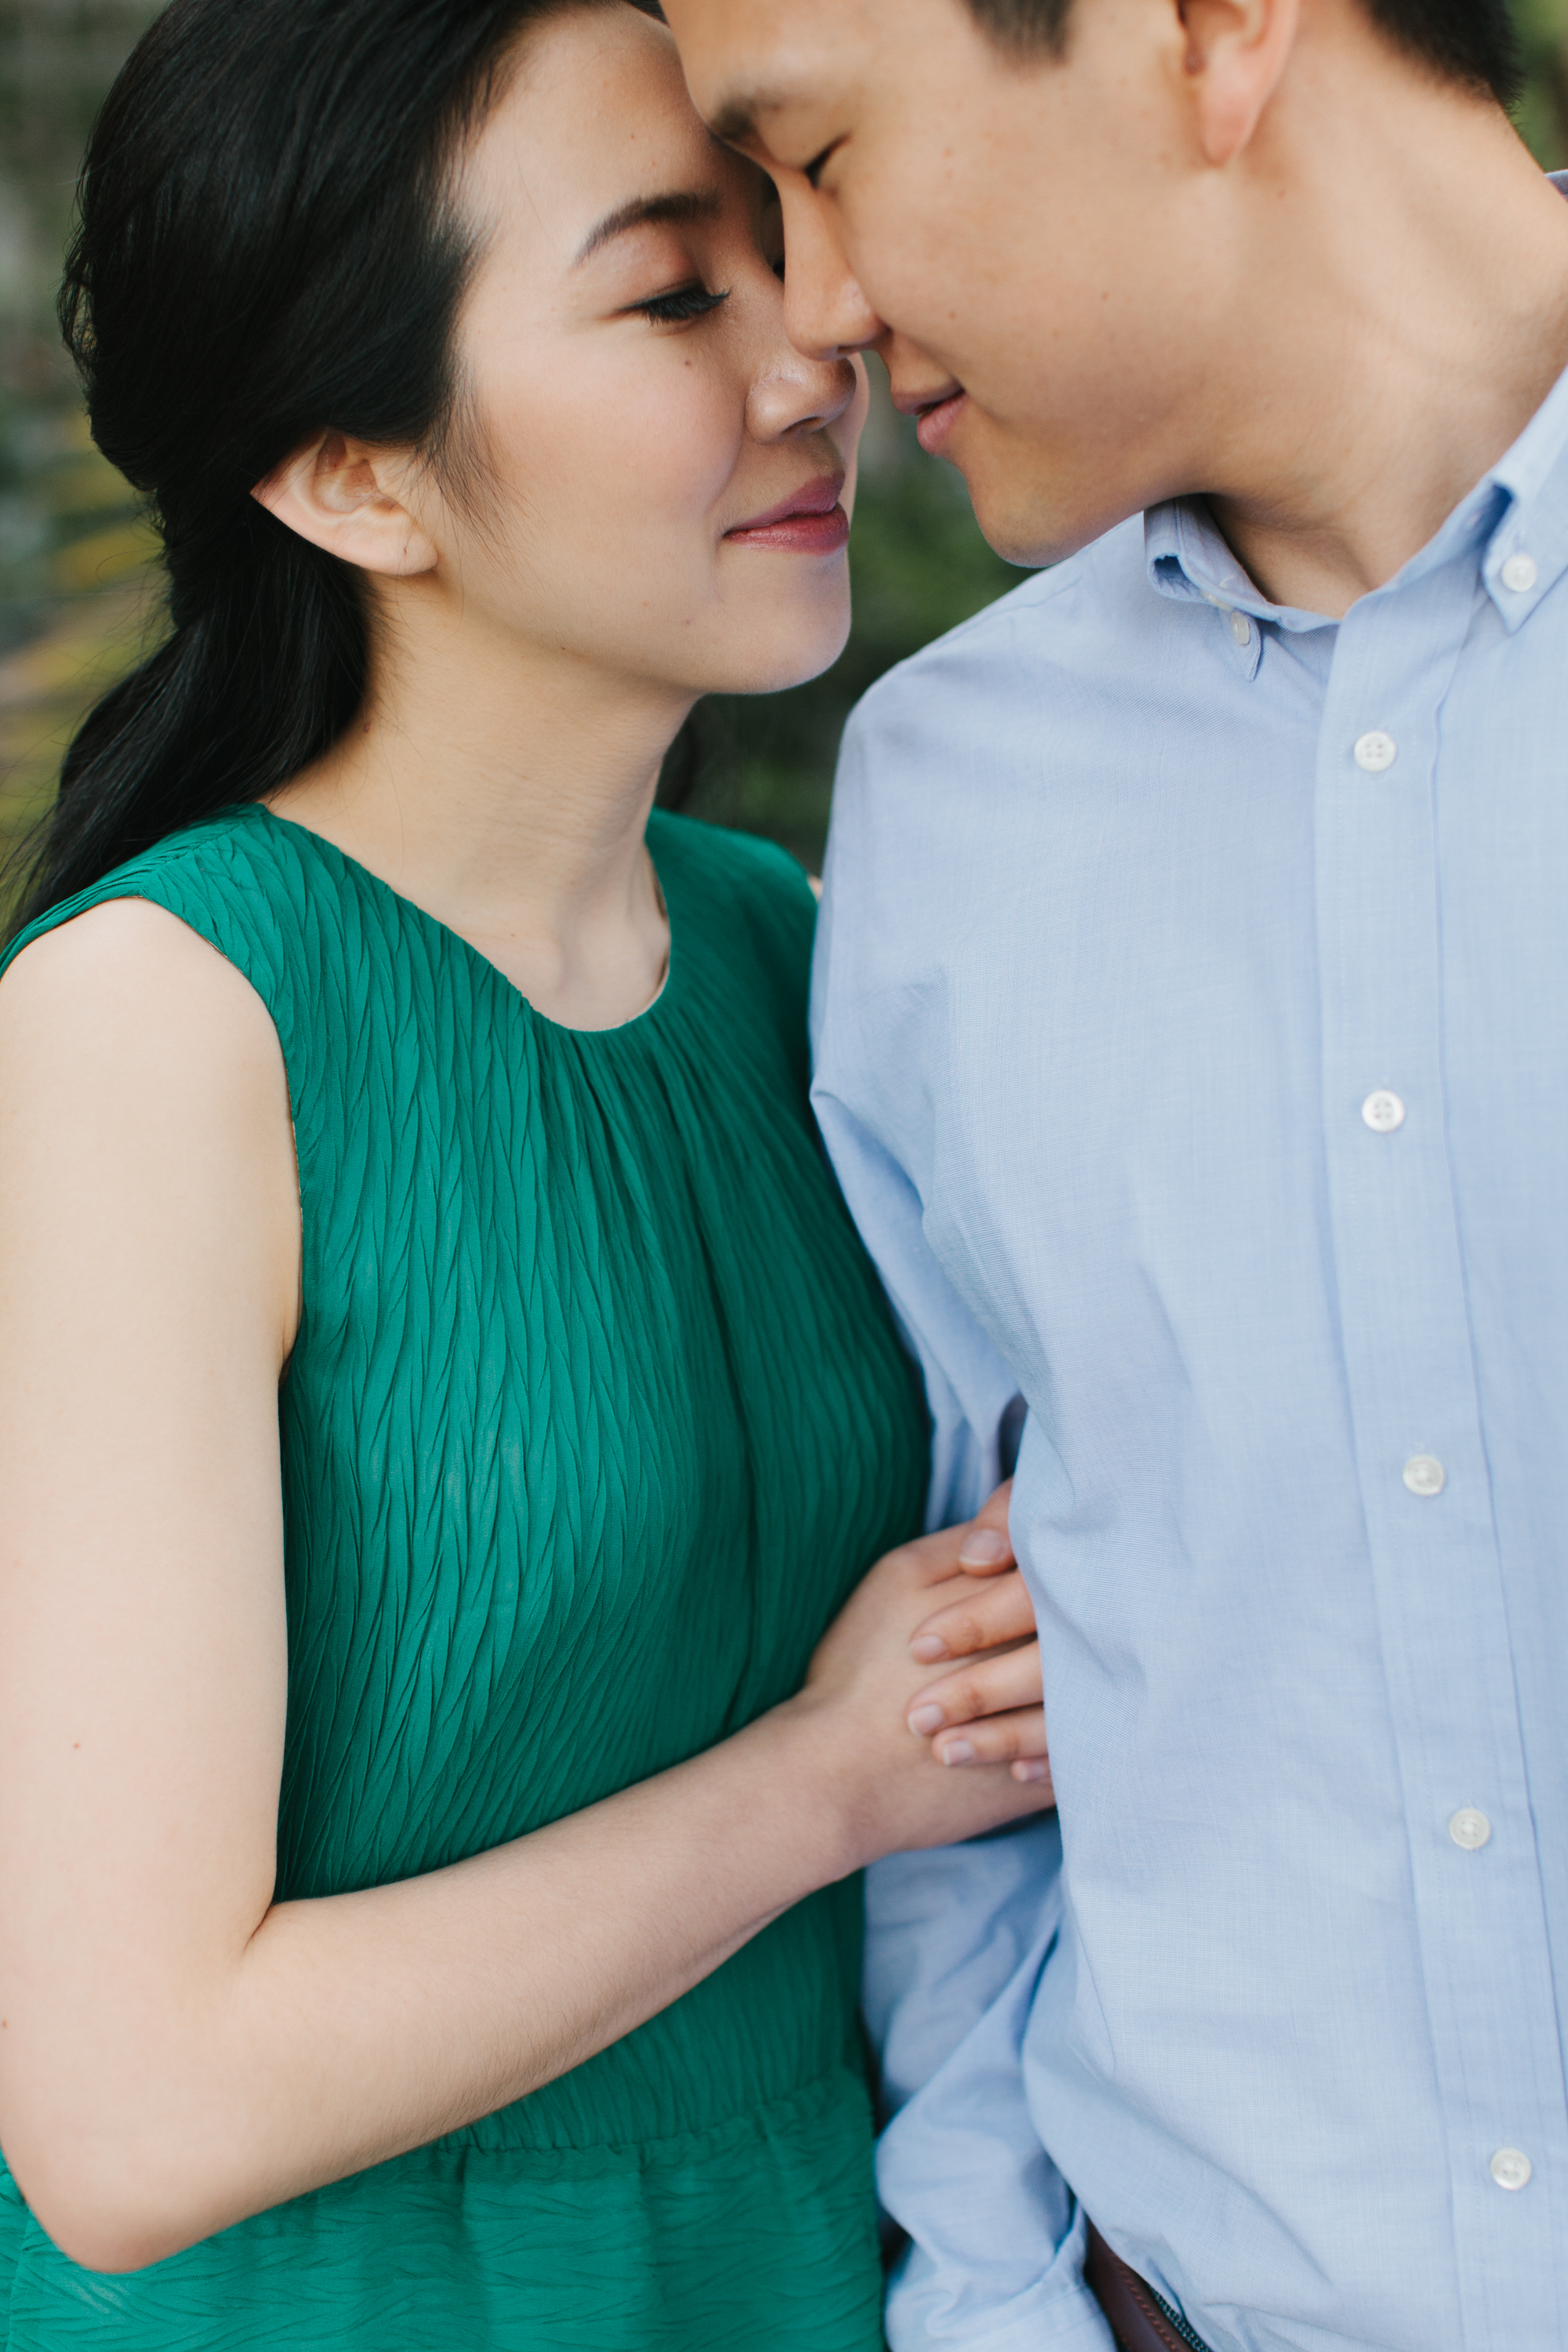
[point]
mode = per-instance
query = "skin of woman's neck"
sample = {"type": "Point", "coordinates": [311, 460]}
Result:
{"type": "Point", "coordinates": [504, 787]}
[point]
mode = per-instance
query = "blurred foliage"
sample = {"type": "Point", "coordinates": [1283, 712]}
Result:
{"type": "Point", "coordinates": [1542, 113]}
{"type": "Point", "coordinates": [76, 601]}
{"type": "Point", "coordinates": [77, 598]}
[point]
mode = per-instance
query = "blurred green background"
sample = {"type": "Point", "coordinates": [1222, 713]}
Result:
{"type": "Point", "coordinates": [78, 601]}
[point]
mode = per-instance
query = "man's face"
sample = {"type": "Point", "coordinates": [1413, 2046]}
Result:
{"type": "Point", "coordinates": [1034, 238]}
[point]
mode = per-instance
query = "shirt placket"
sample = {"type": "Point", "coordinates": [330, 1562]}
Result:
{"type": "Point", "coordinates": [1409, 1366]}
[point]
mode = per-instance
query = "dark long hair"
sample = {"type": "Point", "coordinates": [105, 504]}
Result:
{"type": "Point", "coordinates": [267, 247]}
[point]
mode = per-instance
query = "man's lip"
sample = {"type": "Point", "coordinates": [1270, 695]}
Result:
{"type": "Point", "coordinates": [817, 497]}
{"type": "Point", "coordinates": [937, 420]}
{"type": "Point", "coordinates": [915, 403]}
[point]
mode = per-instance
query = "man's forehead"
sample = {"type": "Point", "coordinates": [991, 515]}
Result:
{"type": "Point", "coordinates": [747, 59]}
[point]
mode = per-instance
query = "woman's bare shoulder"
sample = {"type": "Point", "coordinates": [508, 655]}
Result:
{"type": "Point", "coordinates": [144, 1111]}
{"type": "Point", "coordinates": [128, 976]}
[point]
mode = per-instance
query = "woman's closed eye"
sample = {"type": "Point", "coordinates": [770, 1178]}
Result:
{"type": "Point", "coordinates": [693, 301]}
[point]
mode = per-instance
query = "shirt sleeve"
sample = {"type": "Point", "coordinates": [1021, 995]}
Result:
{"type": "Point", "coordinates": [956, 1939]}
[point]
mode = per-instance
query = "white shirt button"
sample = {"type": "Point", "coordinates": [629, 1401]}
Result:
{"type": "Point", "coordinates": [1469, 1829]}
{"type": "Point", "coordinates": [1519, 574]}
{"type": "Point", "coordinates": [1382, 1112]}
{"type": "Point", "coordinates": [1511, 2167]}
{"type": "Point", "coordinates": [1425, 1475]}
{"type": "Point", "coordinates": [1241, 629]}
{"type": "Point", "coordinates": [1375, 752]}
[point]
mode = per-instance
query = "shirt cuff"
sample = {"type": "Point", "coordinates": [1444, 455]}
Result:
{"type": "Point", "coordinates": [1047, 2318]}
{"type": "Point", "coordinates": [933, 2308]}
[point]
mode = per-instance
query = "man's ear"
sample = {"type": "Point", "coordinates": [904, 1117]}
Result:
{"type": "Point", "coordinates": [1237, 54]}
{"type": "Point", "coordinates": [342, 495]}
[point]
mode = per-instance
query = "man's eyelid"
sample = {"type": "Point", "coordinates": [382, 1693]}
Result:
{"type": "Point", "coordinates": [813, 171]}
{"type": "Point", "coordinates": [761, 148]}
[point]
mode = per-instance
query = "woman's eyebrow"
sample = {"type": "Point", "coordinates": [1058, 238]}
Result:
{"type": "Point", "coordinates": [682, 205]}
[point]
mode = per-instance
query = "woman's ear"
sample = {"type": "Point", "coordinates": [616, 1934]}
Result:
{"type": "Point", "coordinates": [344, 496]}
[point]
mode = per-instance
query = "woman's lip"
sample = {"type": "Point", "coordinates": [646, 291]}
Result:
{"type": "Point", "coordinates": [937, 422]}
{"type": "Point", "coordinates": [800, 531]}
{"type": "Point", "coordinates": [814, 497]}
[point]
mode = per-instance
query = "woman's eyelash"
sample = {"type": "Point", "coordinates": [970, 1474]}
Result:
{"type": "Point", "coordinates": [686, 302]}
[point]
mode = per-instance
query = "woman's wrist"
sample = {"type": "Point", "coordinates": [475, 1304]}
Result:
{"type": "Point", "coordinates": [813, 1767]}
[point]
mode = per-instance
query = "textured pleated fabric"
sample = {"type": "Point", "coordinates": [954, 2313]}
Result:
{"type": "Point", "coordinates": [595, 1416]}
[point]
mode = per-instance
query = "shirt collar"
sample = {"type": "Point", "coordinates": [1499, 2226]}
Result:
{"type": "Point", "coordinates": [1188, 557]}
{"type": "Point", "coordinates": [1515, 522]}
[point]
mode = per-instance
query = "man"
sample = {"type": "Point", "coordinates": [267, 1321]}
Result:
{"type": "Point", "coordinates": [1193, 1042]}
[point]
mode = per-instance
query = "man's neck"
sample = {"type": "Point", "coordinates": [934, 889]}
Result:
{"type": "Point", "coordinates": [1405, 314]}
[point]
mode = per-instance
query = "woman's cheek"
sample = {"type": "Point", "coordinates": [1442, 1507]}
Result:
{"type": "Point", "coordinates": [691, 457]}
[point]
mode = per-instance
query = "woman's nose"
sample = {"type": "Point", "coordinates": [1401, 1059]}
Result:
{"type": "Point", "coordinates": [795, 390]}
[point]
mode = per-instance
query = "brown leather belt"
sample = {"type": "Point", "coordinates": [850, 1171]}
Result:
{"type": "Point", "coordinates": [1141, 2320]}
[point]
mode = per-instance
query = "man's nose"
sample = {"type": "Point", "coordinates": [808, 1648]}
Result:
{"type": "Point", "coordinates": [825, 312]}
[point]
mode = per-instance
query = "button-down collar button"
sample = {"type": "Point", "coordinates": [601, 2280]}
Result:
{"type": "Point", "coordinates": [1425, 1475]}
{"type": "Point", "coordinates": [1382, 1112]}
{"type": "Point", "coordinates": [1375, 752]}
{"type": "Point", "coordinates": [1511, 2168]}
{"type": "Point", "coordinates": [1519, 574]}
{"type": "Point", "coordinates": [1469, 1829]}
{"type": "Point", "coordinates": [1241, 629]}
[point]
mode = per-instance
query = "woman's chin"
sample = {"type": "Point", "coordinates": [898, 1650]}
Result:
{"type": "Point", "coordinates": [776, 658]}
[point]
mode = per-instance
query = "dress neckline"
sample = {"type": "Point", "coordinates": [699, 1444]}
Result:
{"type": "Point", "coordinates": [656, 1004]}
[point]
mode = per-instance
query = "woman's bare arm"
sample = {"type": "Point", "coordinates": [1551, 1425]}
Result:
{"type": "Point", "coordinates": [177, 2052]}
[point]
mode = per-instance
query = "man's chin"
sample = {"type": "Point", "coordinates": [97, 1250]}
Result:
{"type": "Point", "coordinates": [1042, 494]}
{"type": "Point", "coordinates": [1029, 538]}
{"type": "Point", "coordinates": [1038, 521]}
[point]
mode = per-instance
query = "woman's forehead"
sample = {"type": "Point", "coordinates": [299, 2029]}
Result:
{"type": "Point", "coordinates": [595, 124]}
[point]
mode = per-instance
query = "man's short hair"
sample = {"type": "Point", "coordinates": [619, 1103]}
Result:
{"type": "Point", "coordinates": [1467, 41]}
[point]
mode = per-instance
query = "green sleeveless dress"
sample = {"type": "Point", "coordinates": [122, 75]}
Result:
{"type": "Point", "coordinates": [595, 1415]}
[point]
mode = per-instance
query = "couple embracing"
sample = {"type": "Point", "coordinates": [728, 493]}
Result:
{"type": "Point", "coordinates": [465, 1620]}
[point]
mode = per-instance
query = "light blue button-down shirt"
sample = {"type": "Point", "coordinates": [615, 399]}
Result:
{"type": "Point", "coordinates": [1192, 1023]}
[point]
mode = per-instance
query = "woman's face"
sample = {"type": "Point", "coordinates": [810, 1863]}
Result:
{"type": "Point", "coordinates": [663, 481]}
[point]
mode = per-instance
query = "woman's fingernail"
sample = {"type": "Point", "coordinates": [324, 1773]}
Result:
{"type": "Point", "coordinates": [983, 1549]}
{"type": "Point", "coordinates": [928, 1649]}
{"type": "Point", "coordinates": [1031, 1768]}
{"type": "Point", "coordinates": [926, 1719]}
{"type": "Point", "coordinates": [957, 1751]}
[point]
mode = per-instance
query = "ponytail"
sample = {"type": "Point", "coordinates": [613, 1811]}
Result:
{"type": "Point", "coordinates": [261, 672]}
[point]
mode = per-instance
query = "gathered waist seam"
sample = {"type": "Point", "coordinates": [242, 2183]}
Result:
{"type": "Point", "coordinates": [761, 2121]}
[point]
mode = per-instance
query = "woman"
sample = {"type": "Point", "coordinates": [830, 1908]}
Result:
{"type": "Point", "coordinates": [442, 1401]}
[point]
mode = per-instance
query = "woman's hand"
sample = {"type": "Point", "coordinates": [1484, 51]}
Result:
{"type": "Point", "coordinates": [864, 1684]}
{"type": "Point", "coordinates": [990, 1711]}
